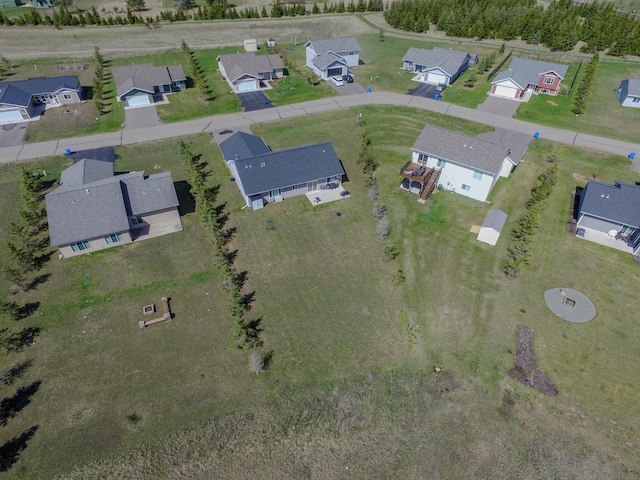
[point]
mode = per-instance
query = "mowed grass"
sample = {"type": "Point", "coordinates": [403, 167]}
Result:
{"type": "Point", "coordinates": [603, 116]}
{"type": "Point", "coordinates": [341, 389]}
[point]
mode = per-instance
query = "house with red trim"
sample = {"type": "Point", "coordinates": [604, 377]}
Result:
{"type": "Point", "coordinates": [524, 76]}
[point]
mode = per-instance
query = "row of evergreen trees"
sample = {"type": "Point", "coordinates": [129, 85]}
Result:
{"type": "Point", "coordinates": [558, 27]}
{"type": "Point", "coordinates": [215, 10]}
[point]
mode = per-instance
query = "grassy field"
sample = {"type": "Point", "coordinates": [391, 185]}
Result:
{"type": "Point", "coordinates": [347, 385]}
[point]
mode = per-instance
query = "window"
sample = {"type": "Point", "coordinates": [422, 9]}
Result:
{"type": "Point", "coordinates": [466, 188]}
{"type": "Point", "coordinates": [116, 237]}
{"type": "Point", "coordinates": [84, 245]}
{"type": "Point", "coordinates": [626, 230]}
{"type": "Point", "coordinates": [66, 96]}
{"type": "Point", "coordinates": [544, 90]}
{"type": "Point", "coordinates": [636, 100]}
{"type": "Point", "coordinates": [549, 80]}
{"type": "Point", "coordinates": [136, 221]}
{"type": "Point", "coordinates": [422, 159]}
{"type": "Point", "coordinates": [442, 163]}
{"type": "Point", "coordinates": [275, 193]}
{"type": "Point", "coordinates": [477, 174]}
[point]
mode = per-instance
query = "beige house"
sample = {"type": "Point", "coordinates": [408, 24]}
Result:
{"type": "Point", "coordinates": [94, 209]}
{"type": "Point", "coordinates": [248, 72]}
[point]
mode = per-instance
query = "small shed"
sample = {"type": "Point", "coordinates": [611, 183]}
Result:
{"type": "Point", "coordinates": [251, 45]}
{"type": "Point", "coordinates": [492, 226]}
{"type": "Point", "coordinates": [271, 42]}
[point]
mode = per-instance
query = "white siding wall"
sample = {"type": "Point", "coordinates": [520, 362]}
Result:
{"type": "Point", "coordinates": [352, 60]}
{"type": "Point", "coordinates": [628, 102]}
{"type": "Point", "coordinates": [505, 170]}
{"type": "Point", "coordinates": [603, 226]}
{"type": "Point", "coordinates": [310, 55]}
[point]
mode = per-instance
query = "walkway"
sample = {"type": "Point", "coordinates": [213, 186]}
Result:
{"type": "Point", "coordinates": [235, 121]}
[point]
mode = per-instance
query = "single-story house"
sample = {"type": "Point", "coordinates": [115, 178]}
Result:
{"type": "Point", "coordinates": [439, 66]}
{"type": "Point", "coordinates": [93, 209]}
{"type": "Point", "coordinates": [246, 72]}
{"type": "Point", "coordinates": [463, 164]}
{"type": "Point", "coordinates": [492, 226]}
{"type": "Point", "coordinates": [629, 92]}
{"type": "Point", "coordinates": [525, 75]}
{"type": "Point", "coordinates": [265, 176]}
{"type": "Point", "coordinates": [610, 212]}
{"type": "Point", "coordinates": [332, 57]}
{"type": "Point", "coordinates": [136, 85]}
{"type": "Point", "coordinates": [21, 100]}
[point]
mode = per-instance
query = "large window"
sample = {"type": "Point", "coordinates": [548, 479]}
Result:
{"type": "Point", "coordinates": [466, 188]}
{"type": "Point", "coordinates": [275, 193]}
{"type": "Point", "coordinates": [636, 100]}
{"type": "Point", "coordinates": [549, 80]}
{"type": "Point", "coordinates": [116, 237]}
{"type": "Point", "coordinates": [422, 159]}
{"type": "Point", "coordinates": [477, 175]}
{"type": "Point", "coordinates": [84, 245]}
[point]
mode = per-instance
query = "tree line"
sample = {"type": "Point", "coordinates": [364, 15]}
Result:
{"type": "Point", "coordinates": [559, 26]}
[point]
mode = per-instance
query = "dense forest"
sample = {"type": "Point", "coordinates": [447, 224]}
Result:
{"type": "Point", "coordinates": [559, 27]}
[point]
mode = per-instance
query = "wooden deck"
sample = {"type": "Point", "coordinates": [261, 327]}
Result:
{"type": "Point", "coordinates": [426, 177]}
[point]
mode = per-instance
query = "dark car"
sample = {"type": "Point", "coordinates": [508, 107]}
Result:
{"type": "Point", "coordinates": [347, 78]}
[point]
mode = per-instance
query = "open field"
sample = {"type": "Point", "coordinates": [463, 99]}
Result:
{"type": "Point", "coordinates": [348, 385]}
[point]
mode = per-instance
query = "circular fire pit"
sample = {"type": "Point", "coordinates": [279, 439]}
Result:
{"type": "Point", "coordinates": [570, 305]}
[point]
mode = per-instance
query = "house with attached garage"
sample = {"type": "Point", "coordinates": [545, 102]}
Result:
{"type": "Point", "coordinates": [610, 215]}
{"type": "Point", "coordinates": [526, 76]}
{"type": "Point", "coordinates": [93, 209]}
{"type": "Point", "coordinates": [141, 85]}
{"type": "Point", "coordinates": [332, 57]}
{"type": "Point", "coordinates": [439, 66]}
{"type": "Point", "coordinates": [460, 163]}
{"type": "Point", "coordinates": [247, 72]}
{"type": "Point", "coordinates": [22, 100]}
{"type": "Point", "coordinates": [629, 92]}
{"type": "Point", "coordinates": [265, 176]}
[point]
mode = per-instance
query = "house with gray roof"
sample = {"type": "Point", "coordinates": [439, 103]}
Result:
{"type": "Point", "coordinates": [439, 66]}
{"type": "Point", "coordinates": [332, 57]}
{"type": "Point", "coordinates": [524, 76]}
{"type": "Point", "coordinates": [247, 72]}
{"type": "Point", "coordinates": [93, 209]}
{"type": "Point", "coordinates": [140, 85]}
{"type": "Point", "coordinates": [265, 176]}
{"type": "Point", "coordinates": [467, 165]}
{"type": "Point", "coordinates": [629, 92]}
{"type": "Point", "coordinates": [610, 214]}
{"type": "Point", "coordinates": [22, 100]}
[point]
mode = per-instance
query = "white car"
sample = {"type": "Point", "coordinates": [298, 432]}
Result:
{"type": "Point", "coordinates": [337, 81]}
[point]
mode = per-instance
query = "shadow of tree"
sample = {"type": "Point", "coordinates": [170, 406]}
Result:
{"type": "Point", "coordinates": [10, 375]}
{"type": "Point", "coordinates": [33, 284]}
{"type": "Point", "coordinates": [267, 358]}
{"type": "Point", "coordinates": [18, 340]}
{"type": "Point", "coordinates": [10, 451]}
{"type": "Point", "coordinates": [10, 406]}
{"type": "Point", "coordinates": [248, 299]}
{"type": "Point", "coordinates": [28, 309]}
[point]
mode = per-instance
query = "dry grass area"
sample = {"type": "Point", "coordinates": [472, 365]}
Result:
{"type": "Point", "coordinates": [39, 42]}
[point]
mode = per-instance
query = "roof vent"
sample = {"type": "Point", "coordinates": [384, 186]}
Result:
{"type": "Point", "coordinates": [617, 184]}
{"type": "Point", "coordinates": [262, 164]}
{"type": "Point", "coordinates": [602, 195]}
{"type": "Point", "coordinates": [86, 190]}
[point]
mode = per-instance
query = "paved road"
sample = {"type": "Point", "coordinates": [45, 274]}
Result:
{"type": "Point", "coordinates": [236, 121]}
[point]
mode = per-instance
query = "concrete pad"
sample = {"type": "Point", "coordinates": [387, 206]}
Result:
{"type": "Point", "coordinates": [499, 106]}
{"type": "Point", "coordinates": [427, 104]}
{"type": "Point", "coordinates": [320, 197]}
{"type": "Point", "coordinates": [12, 134]}
{"type": "Point", "coordinates": [291, 113]}
{"type": "Point", "coordinates": [10, 154]}
{"type": "Point", "coordinates": [36, 150]}
{"type": "Point", "coordinates": [570, 305]}
{"type": "Point", "coordinates": [142, 117]}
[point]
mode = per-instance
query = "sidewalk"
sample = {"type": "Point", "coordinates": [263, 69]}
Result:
{"type": "Point", "coordinates": [237, 121]}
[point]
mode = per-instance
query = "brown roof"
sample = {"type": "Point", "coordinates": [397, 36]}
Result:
{"type": "Point", "coordinates": [238, 64]}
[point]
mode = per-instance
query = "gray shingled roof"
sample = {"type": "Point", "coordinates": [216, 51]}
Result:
{"type": "Point", "coordinates": [325, 60]}
{"type": "Point", "coordinates": [336, 45]}
{"type": "Point", "coordinates": [78, 212]}
{"type": "Point", "coordinates": [516, 142]}
{"type": "Point", "coordinates": [449, 61]}
{"type": "Point", "coordinates": [461, 149]}
{"type": "Point", "coordinates": [19, 92]}
{"type": "Point", "coordinates": [242, 145]}
{"type": "Point", "coordinates": [617, 203]}
{"type": "Point", "coordinates": [145, 76]}
{"type": "Point", "coordinates": [630, 86]}
{"type": "Point", "coordinates": [238, 64]}
{"type": "Point", "coordinates": [525, 72]}
{"type": "Point", "coordinates": [495, 219]}
{"type": "Point", "coordinates": [288, 167]}
{"type": "Point", "coordinates": [86, 171]}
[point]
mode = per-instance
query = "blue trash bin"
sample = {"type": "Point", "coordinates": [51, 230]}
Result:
{"type": "Point", "coordinates": [632, 155]}
{"type": "Point", "coordinates": [67, 151]}
{"type": "Point", "coordinates": [369, 89]}
{"type": "Point", "coordinates": [437, 97]}
{"type": "Point", "coordinates": [536, 135]}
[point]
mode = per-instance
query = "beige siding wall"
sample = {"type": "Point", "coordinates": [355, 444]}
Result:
{"type": "Point", "coordinates": [75, 98]}
{"type": "Point", "coordinates": [162, 216]}
{"type": "Point", "coordinates": [96, 244]}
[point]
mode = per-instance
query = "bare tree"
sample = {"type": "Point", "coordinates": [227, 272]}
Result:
{"type": "Point", "coordinates": [378, 210]}
{"type": "Point", "coordinates": [384, 227]}
{"type": "Point", "coordinates": [256, 363]}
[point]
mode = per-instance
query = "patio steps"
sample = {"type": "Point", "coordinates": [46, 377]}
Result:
{"type": "Point", "coordinates": [429, 185]}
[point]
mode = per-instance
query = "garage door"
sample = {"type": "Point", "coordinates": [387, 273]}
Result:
{"type": "Point", "coordinates": [503, 91]}
{"type": "Point", "coordinates": [248, 86]}
{"type": "Point", "coordinates": [437, 78]}
{"type": "Point", "coordinates": [334, 72]}
{"type": "Point", "coordinates": [138, 100]}
{"type": "Point", "coordinates": [8, 116]}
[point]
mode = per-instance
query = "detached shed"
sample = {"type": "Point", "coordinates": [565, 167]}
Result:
{"type": "Point", "coordinates": [251, 45]}
{"type": "Point", "coordinates": [492, 226]}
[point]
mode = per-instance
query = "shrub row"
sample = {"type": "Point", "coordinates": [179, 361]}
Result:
{"type": "Point", "coordinates": [584, 89]}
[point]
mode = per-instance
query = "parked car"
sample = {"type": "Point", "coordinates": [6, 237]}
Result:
{"type": "Point", "coordinates": [337, 81]}
{"type": "Point", "coordinates": [347, 78]}
{"type": "Point", "coordinates": [440, 88]}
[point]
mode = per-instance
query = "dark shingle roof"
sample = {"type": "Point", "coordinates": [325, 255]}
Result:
{"type": "Point", "coordinates": [324, 60]}
{"type": "Point", "coordinates": [516, 142]}
{"type": "Point", "coordinates": [495, 219]}
{"type": "Point", "coordinates": [449, 61]}
{"type": "Point", "coordinates": [19, 92]}
{"type": "Point", "coordinates": [524, 71]}
{"type": "Point", "coordinates": [288, 167]}
{"type": "Point", "coordinates": [336, 45]}
{"type": "Point", "coordinates": [242, 145]}
{"type": "Point", "coordinates": [617, 203]}
{"type": "Point", "coordinates": [155, 192]}
{"type": "Point", "coordinates": [86, 171]}
{"type": "Point", "coordinates": [145, 76]}
{"type": "Point", "coordinates": [238, 64]}
{"type": "Point", "coordinates": [462, 149]}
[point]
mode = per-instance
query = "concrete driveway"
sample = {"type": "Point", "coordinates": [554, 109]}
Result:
{"type": "Point", "coordinates": [347, 88]}
{"type": "Point", "coordinates": [252, 101]}
{"type": "Point", "coordinates": [12, 134]}
{"type": "Point", "coordinates": [426, 90]}
{"type": "Point", "coordinates": [141, 117]}
{"type": "Point", "coordinates": [499, 106]}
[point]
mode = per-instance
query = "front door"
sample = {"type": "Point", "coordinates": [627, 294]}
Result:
{"type": "Point", "coordinates": [312, 186]}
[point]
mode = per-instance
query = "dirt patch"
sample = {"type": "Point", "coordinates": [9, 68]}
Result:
{"type": "Point", "coordinates": [580, 178]}
{"type": "Point", "coordinates": [552, 103]}
{"type": "Point", "coordinates": [526, 369]}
